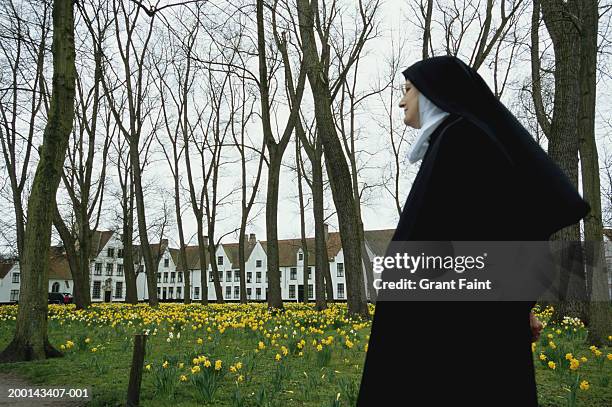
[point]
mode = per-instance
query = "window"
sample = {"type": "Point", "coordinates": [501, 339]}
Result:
{"type": "Point", "coordinates": [236, 275]}
{"type": "Point", "coordinates": [172, 277]}
{"type": "Point", "coordinates": [109, 269]}
{"type": "Point", "coordinates": [258, 293]}
{"type": "Point", "coordinates": [180, 276]}
{"type": "Point", "coordinates": [159, 277]}
{"type": "Point", "coordinates": [228, 276]}
{"type": "Point", "coordinates": [210, 276]}
{"type": "Point", "coordinates": [119, 269]}
{"type": "Point", "coordinates": [179, 291]}
{"type": "Point", "coordinates": [158, 292]}
{"type": "Point", "coordinates": [220, 260]}
{"type": "Point", "coordinates": [14, 295]}
{"type": "Point", "coordinates": [119, 289]}
{"type": "Point", "coordinates": [110, 252]}
{"type": "Point", "coordinates": [165, 277]}
{"type": "Point", "coordinates": [171, 292]}
{"type": "Point", "coordinates": [310, 291]}
{"type": "Point", "coordinates": [293, 273]}
{"type": "Point", "coordinates": [67, 284]}
{"type": "Point", "coordinates": [55, 288]}
{"type": "Point", "coordinates": [220, 275]}
{"type": "Point", "coordinates": [249, 291]}
{"type": "Point", "coordinates": [228, 292]}
{"type": "Point", "coordinates": [196, 292]}
{"type": "Point", "coordinates": [96, 289]}
{"type": "Point", "coordinates": [258, 277]}
{"type": "Point", "coordinates": [310, 273]}
{"type": "Point", "coordinates": [140, 268]}
{"type": "Point", "coordinates": [98, 269]}
{"type": "Point", "coordinates": [237, 293]}
{"type": "Point", "coordinates": [164, 293]}
{"type": "Point", "coordinates": [300, 256]}
{"type": "Point", "coordinates": [249, 276]}
{"type": "Point", "coordinates": [16, 278]}
{"type": "Point", "coordinates": [166, 263]}
{"type": "Point", "coordinates": [257, 263]}
{"type": "Point", "coordinates": [292, 291]}
{"type": "Point", "coordinates": [120, 253]}
{"type": "Point", "coordinates": [340, 290]}
{"type": "Point", "coordinates": [340, 268]}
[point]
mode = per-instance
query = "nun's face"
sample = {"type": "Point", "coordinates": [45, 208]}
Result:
{"type": "Point", "coordinates": [410, 104]}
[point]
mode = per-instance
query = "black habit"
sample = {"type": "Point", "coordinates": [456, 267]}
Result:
{"type": "Point", "coordinates": [484, 178]}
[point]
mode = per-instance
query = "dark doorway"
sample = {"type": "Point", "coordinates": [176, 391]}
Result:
{"type": "Point", "coordinates": [107, 296]}
{"type": "Point", "coordinates": [301, 293]}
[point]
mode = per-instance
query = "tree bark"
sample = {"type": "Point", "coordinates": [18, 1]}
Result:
{"type": "Point", "coordinates": [30, 341]}
{"type": "Point", "coordinates": [563, 140]}
{"type": "Point", "coordinates": [339, 175]}
{"type": "Point", "coordinates": [600, 317]}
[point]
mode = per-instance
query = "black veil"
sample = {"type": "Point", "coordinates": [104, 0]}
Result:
{"type": "Point", "coordinates": [550, 199]}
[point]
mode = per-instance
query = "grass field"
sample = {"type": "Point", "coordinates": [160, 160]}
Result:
{"type": "Point", "coordinates": [242, 355]}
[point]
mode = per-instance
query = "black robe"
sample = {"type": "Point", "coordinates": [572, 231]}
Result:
{"type": "Point", "coordinates": [472, 185]}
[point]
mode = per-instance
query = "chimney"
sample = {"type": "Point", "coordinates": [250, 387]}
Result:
{"type": "Point", "coordinates": [252, 239]}
{"type": "Point", "coordinates": [325, 231]}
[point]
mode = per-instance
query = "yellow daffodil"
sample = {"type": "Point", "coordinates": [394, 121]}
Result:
{"type": "Point", "coordinates": [584, 385]}
{"type": "Point", "coordinates": [574, 364]}
{"type": "Point", "coordinates": [552, 365]}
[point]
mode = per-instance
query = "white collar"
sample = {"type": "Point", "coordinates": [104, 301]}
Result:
{"type": "Point", "coordinates": [430, 117]}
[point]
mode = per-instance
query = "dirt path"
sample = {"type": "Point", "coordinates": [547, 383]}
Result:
{"type": "Point", "coordinates": [13, 381]}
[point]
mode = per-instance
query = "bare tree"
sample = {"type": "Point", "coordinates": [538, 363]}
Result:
{"type": "Point", "coordinates": [24, 31]}
{"type": "Point", "coordinates": [85, 192]}
{"type": "Point", "coordinates": [560, 130]}
{"type": "Point", "coordinates": [275, 149]}
{"type": "Point", "coordinates": [30, 341]}
{"type": "Point", "coordinates": [136, 80]}
{"type": "Point", "coordinates": [244, 106]}
{"type": "Point", "coordinates": [324, 92]}
{"type": "Point", "coordinates": [600, 318]}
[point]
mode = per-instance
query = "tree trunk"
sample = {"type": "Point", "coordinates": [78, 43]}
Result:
{"type": "Point", "coordinates": [31, 341]}
{"type": "Point", "coordinates": [339, 175]}
{"type": "Point", "coordinates": [274, 288]}
{"type": "Point", "coordinates": [563, 140]}
{"type": "Point", "coordinates": [145, 247]}
{"type": "Point", "coordinates": [131, 288]}
{"type": "Point", "coordinates": [321, 258]}
{"type": "Point", "coordinates": [302, 223]}
{"type": "Point", "coordinates": [599, 306]}
{"type": "Point", "coordinates": [203, 267]}
{"type": "Point", "coordinates": [212, 248]}
{"type": "Point", "coordinates": [242, 254]}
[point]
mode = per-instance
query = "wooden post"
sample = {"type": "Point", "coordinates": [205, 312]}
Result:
{"type": "Point", "coordinates": [133, 396]}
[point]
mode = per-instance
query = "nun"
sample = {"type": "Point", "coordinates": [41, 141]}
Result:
{"type": "Point", "coordinates": [482, 177]}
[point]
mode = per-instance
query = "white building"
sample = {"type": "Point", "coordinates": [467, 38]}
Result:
{"type": "Point", "coordinates": [107, 277]}
{"type": "Point", "coordinates": [60, 278]}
